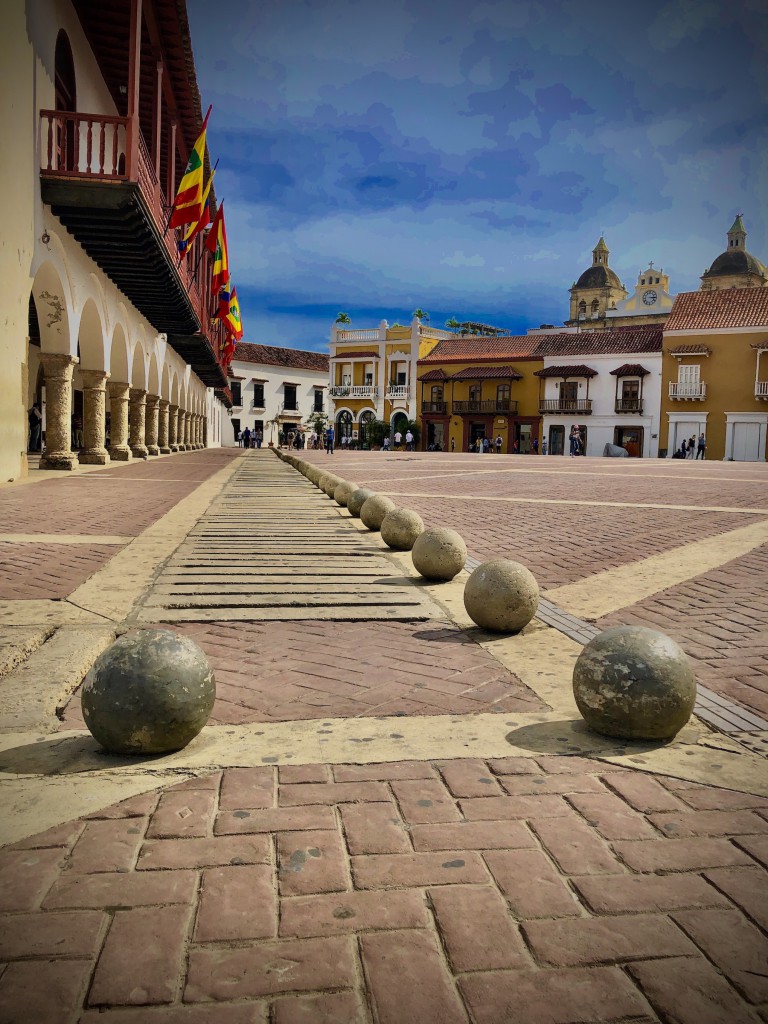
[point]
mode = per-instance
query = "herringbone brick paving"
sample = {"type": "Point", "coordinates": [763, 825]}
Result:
{"type": "Point", "coordinates": [288, 671]}
{"type": "Point", "coordinates": [554, 889]}
{"type": "Point", "coordinates": [48, 571]}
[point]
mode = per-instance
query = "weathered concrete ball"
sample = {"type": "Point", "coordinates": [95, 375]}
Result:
{"type": "Point", "coordinates": [374, 509]}
{"type": "Point", "coordinates": [400, 528]}
{"type": "Point", "coordinates": [343, 491]}
{"type": "Point", "coordinates": [151, 692]}
{"type": "Point", "coordinates": [501, 595]}
{"type": "Point", "coordinates": [357, 499]}
{"type": "Point", "coordinates": [313, 474]}
{"type": "Point", "coordinates": [439, 553]}
{"type": "Point", "coordinates": [327, 478]}
{"type": "Point", "coordinates": [331, 483]}
{"type": "Point", "coordinates": [634, 683]}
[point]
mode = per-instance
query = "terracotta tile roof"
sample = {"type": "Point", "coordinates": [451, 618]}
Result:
{"type": "Point", "coordinates": [271, 355]}
{"type": "Point", "coordinates": [630, 370]}
{"type": "Point", "coordinates": [434, 375]}
{"type": "Point", "coordinates": [727, 307]}
{"type": "Point", "coordinates": [689, 350]}
{"type": "Point", "coordinates": [488, 371]}
{"type": "Point", "coordinates": [614, 341]}
{"type": "Point", "coordinates": [356, 355]}
{"type": "Point", "coordinates": [566, 371]}
{"type": "Point", "coordinates": [472, 347]}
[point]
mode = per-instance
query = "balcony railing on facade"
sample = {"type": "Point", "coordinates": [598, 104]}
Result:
{"type": "Point", "coordinates": [438, 408]}
{"type": "Point", "coordinates": [693, 392]}
{"type": "Point", "coordinates": [486, 405]}
{"type": "Point", "coordinates": [369, 334]}
{"type": "Point", "coordinates": [353, 391]}
{"type": "Point", "coordinates": [629, 405]}
{"type": "Point", "coordinates": [395, 391]}
{"type": "Point", "coordinates": [581, 406]}
{"type": "Point", "coordinates": [94, 150]}
{"type": "Point", "coordinates": [761, 389]}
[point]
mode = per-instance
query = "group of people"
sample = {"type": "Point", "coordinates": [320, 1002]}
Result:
{"type": "Point", "coordinates": [250, 438]}
{"type": "Point", "coordinates": [693, 448]}
{"type": "Point", "coordinates": [484, 445]}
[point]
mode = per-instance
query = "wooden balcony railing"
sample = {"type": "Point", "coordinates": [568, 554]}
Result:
{"type": "Point", "coordinates": [489, 405]}
{"type": "Point", "coordinates": [434, 407]}
{"type": "Point", "coordinates": [83, 145]}
{"type": "Point", "coordinates": [629, 405]}
{"type": "Point", "coordinates": [564, 405]}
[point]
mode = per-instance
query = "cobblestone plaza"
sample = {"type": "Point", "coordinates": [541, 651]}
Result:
{"type": "Point", "coordinates": [392, 816]}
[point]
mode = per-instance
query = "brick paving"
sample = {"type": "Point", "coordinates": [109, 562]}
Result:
{"type": "Point", "coordinates": [288, 671]}
{"type": "Point", "coordinates": [553, 889]}
{"type": "Point", "coordinates": [48, 571]}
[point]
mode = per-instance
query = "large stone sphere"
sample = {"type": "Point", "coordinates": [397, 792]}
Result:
{"type": "Point", "coordinates": [343, 491]}
{"type": "Point", "coordinates": [400, 528]}
{"type": "Point", "coordinates": [151, 692]}
{"type": "Point", "coordinates": [439, 553]}
{"type": "Point", "coordinates": [313, 474]}
{"type": "Point", "coordinates": [501, 595]}
{"type": "Point", "coordinates": [328, 482]}
{"type": "Point", "coordinates": [374, 509]}
{"type": "Point", "coordinates": [357, 499]}
{"type": "Point", "coordinates": [634, 683]}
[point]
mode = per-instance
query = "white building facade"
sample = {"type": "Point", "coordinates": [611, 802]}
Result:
{"type": "Point", "coordinates": [608, 383]}
{"type": "Point", "coordinates": [275, 391]}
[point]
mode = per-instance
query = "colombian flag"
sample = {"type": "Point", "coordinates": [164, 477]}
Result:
{"type": "Point", "coordinates": [231, 318]}
{"type": "Point", "coordinates": [188, 204]}
{"type": "Point", "coordinates": [216, 242]}
{"type": "Point", "coordinates": [205, 219]}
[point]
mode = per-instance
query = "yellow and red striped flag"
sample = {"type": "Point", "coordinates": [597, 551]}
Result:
{"type": "Point", "coordinates": [188, 204]}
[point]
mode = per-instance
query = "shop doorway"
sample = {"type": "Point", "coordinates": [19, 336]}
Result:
{"type": "Point", "coordinates": [557, 440]}
{"type": "Point", "coordinates": [630, 438]}
{"type": "Point", "coordinates": [523, 437]}
{"type": "Point", "coordinates": [436, 437]}
{"type": "Point", "coordinates": [476, 430]}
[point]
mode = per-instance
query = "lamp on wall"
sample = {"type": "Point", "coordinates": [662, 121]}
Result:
{"type": "Point", "coordinates": [45, 237]}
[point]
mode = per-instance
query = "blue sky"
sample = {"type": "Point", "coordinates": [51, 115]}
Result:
{"type": "Point", "coordinates": [465, 157]}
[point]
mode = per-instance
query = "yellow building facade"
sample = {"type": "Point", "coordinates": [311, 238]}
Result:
{"type": "Point", "coordinates": [476, 387]}
{"type": "Point", "coordinates": [715, 373]}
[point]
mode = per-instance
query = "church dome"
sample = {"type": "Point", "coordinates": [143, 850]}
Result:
{"type": "Point", "coordinates": [736, 261]}
{"type": "Point", "coordinates": [598, 276]}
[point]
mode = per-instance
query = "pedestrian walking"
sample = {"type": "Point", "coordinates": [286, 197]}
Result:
{"type": "Point", "coordinates": [247, 437]}
{"type": "Point", "coordinates": [385, 446]}
{"type": "Point", "coordinates": [499, 443]}
{"type": "Point", "coordinates": [692, 447]}
{"type": "Point", "coordinates": [544, 447]}
{"type": "Point", "coordinates": [701, 447]}
{"type": "Point", "coordinates": [259, 439]}
{"type": "Point", "coordinates": [535, 446]}
{"type": "Point", "coordinates": [453, 444]}
{"type": "Point", "coordinates": [35, 419]}
{"type": "Point", "coordinates": [398, 439]}
{"type": "Point", "coordinates": [408, 441]}
{"type": "Point", "coordinates": [329, 441]}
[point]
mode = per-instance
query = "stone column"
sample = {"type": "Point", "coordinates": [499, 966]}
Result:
{"type": "Point", "coordinates": [198, 434]}
{"type": "Point", "coordinates": [173, 427]}
{"type": "Point", "coordinates": [162, 427]}
{"type": "Point", "coordinates": [185, 442]}
{"type": "Point", "coordinates": [136, 419]}
{"type": "Point", "coordinates": [153, 413]}
{"type": "Point", "coordinates": [58, 369]}
{"type": "Point", "coordinates": [94, 417]}
{"type": "Point", "coordinates": [205, 431]}
{"type": "Point", "coordinates": [118, 422]}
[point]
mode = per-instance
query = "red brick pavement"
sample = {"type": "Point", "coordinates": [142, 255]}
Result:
{"type": "Point", "coordinates": [286, 671]}
{"type": "Point", "coordinates": [396, 893]}
{"type": "Point", "coordinates": [721, 620]}
{"type": "Point", "coordinates": [116, 502]}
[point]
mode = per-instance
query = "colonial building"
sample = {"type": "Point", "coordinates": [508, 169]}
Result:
{"type": "Point", "coordinates": [101, 324]}
{"type": "Point", "coordinates": [735, 268]}
{"type": "Point", "coordinates": [715, 371]}
{"type": "Point", "coordinates": [596, 290]}
{"type": "Point", "coordinates": [475, 387]}
{"type": "Point", "coordinates": [606, 382]}
{"type": "Point", "coordinates": [275, 390]}
{"type": "Point", "coordinates": [373, 375]}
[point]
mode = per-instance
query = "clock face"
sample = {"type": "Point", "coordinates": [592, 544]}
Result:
{"type": "Point", "coordinates": [649, 297]}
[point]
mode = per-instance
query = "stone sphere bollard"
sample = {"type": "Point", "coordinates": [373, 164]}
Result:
{"type": "Point", "coordinates": [314, 474]}
{"type": "Point", "coordinates": [343, 491]}
{"type": "Point", "coordinates": [357, 499]}
{"type": "Point", "coordinates": [634, 683]}
{"type": "Point", "coordinates": [374, 509]}
{"type": "Point", "coordinates": [400, 528]}
{"type": "Point", "coordinates": [151, 692]}
{"type": "Point", "coordinates": [329, 482]}
{"type": "Point", "coordinates": [439, 553]}
{"type": "Point", "coordinates": [501, 595]}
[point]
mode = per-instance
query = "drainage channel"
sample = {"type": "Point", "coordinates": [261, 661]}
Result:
{"type": "Point", "coordinates": [273, 547]}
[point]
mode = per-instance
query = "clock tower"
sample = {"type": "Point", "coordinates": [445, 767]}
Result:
{"type": "Point", "coordinates": [650, 302]}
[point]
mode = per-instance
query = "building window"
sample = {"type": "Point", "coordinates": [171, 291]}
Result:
{"type": "Point", "coordinates": [258, 426]}
{"type": "Point", "coordinates": [689, 374]}
{"type": "Point", "coordinates": [437, 393]}
{"type": "Point", "coordinates": [502, 394]}
{"type": "Point", "coordinates": [595, 306]}
{"type": "Point", "coordinates": [369, 380]}
{"type": "Point", "coordinates": [318, 400]}
{"type": "Point", "coordinates": [258, 395]}
{"type": "Point", "coordinates": [237, 394]}
{"type": "Point", "coordinates": [582, 306]}
{"type": "Point", "coordinates": [402, 378]}
{"type": "Point", "coordinates": [630, 390]}
{"type": "Point", "coordinates": [65, 99]}
{"type": "Point", "coordinates": [289, 393]}
{"type": "Point", "coordinates": [475, 391]}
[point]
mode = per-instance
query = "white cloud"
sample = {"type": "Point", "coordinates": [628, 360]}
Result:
{"type": "Point", "coordinates": [460, 259]}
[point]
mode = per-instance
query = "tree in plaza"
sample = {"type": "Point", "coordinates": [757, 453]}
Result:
{"type": "Point", "coordinates": [343, 318]}
{"type": "Point", "coordinates": [318, 422]}
{"type": "Point", "coordinates": [420, 314]}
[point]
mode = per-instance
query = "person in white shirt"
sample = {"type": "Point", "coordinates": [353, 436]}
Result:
{"type": "Point", "coordinates": [398, 439]}
{"type": "Point", "coordinates": [409, 441]}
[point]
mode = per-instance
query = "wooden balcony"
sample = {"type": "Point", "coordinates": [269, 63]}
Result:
{"type": "Point", "coordinates": [437, 408]}
{"type": "Point", "coordinates": [485, 406]}
{"type": "Point", "coordinates": [117, 211]}
{"type": "Point", "coordinates": [634, 405]}
{"type": "Point", "coordinates": [577, 407]}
